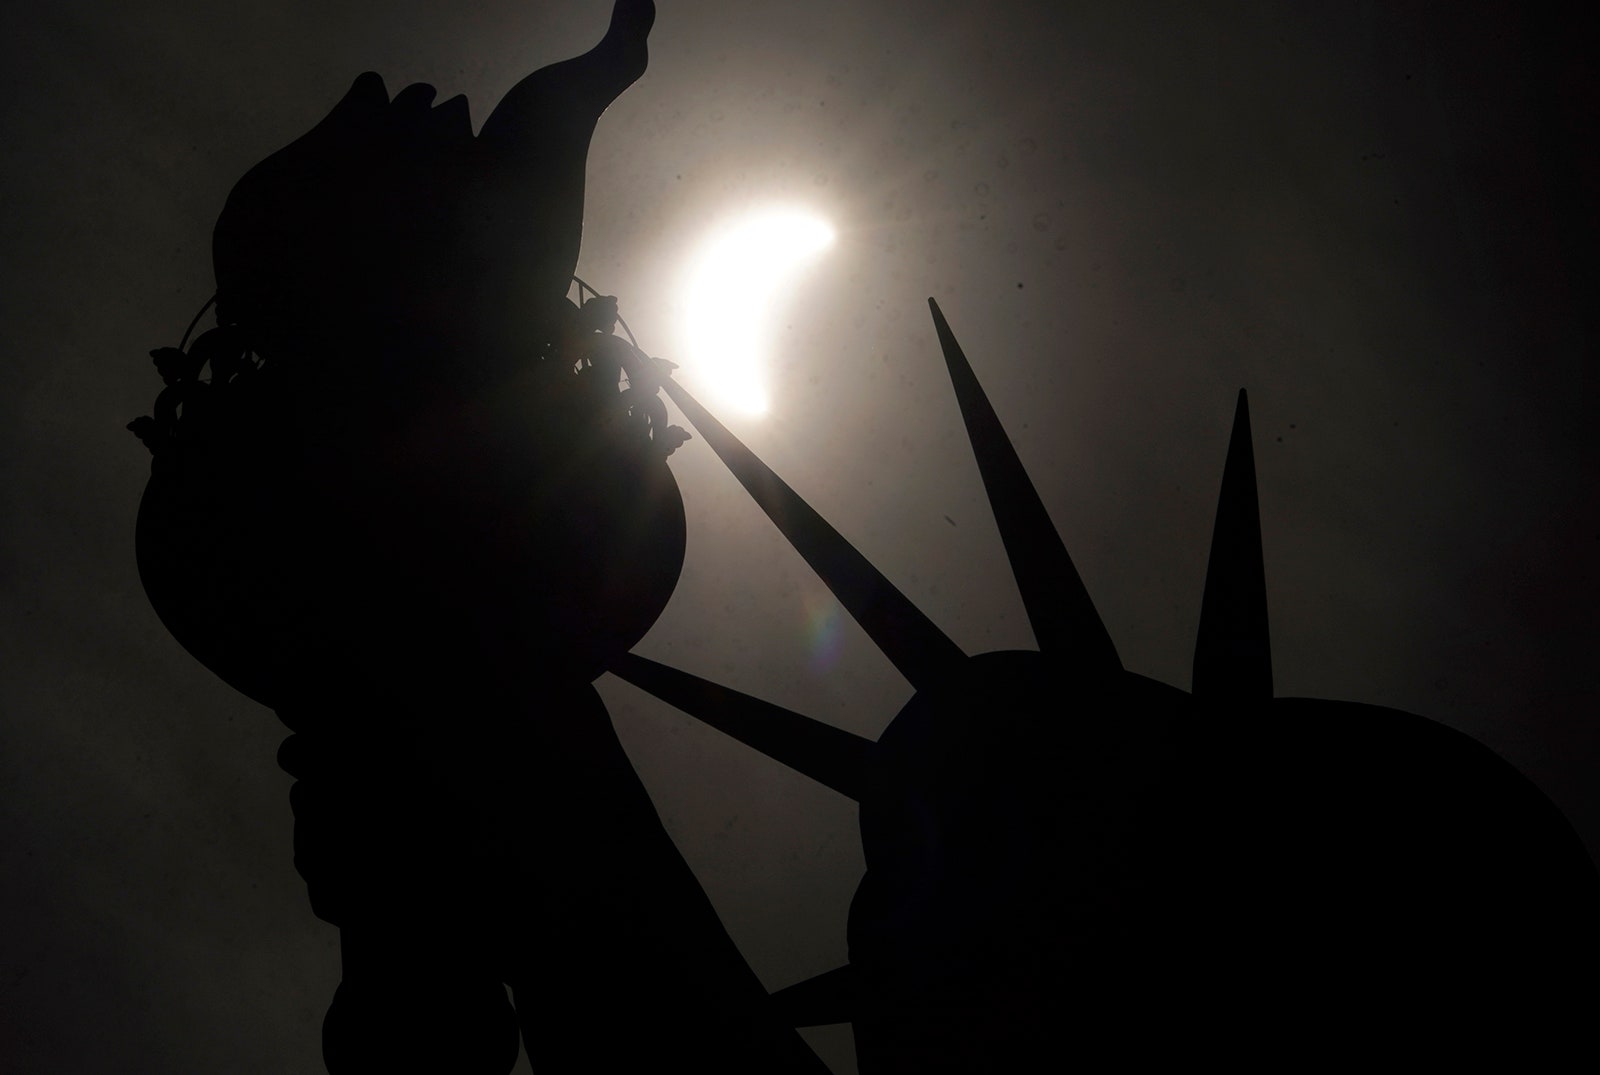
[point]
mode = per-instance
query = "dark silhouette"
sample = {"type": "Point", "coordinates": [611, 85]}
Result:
{"type": "Point", "coordinates": [1068, 860]}
{"type": "Point", "coordinates": [413, 510]}
{"type": "Point", "coordinates": [401, 495]}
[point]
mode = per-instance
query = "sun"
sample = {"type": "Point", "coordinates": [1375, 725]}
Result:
{"type": "Point", "coordinates": [731, 287]}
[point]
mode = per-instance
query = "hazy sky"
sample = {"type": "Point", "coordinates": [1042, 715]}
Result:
{"type": "Point", "coordinates": [1378, 218]}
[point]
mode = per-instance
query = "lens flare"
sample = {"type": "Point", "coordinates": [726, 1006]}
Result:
{"type": "Point", "coordinates": [824, 639]}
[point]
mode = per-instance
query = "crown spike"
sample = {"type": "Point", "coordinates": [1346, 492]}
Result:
{"type": "Point", "coordinates": [826, 754]}
{"type": "Point", "coordinates": [828, 998]}
{"type": "Point", "coordinates": [1059, 607]}
{"type": "Point", "coordinates": [909, 639]}
{"type": "Point", "coordinates": [1232, 654]}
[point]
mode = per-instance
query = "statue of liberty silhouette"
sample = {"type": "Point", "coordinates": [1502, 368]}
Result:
{"type": "Point", "coordinates": [413, 498]}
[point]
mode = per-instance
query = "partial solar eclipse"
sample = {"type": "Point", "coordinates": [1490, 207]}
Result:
{"type": "Point", "coordinates": [735, 281]}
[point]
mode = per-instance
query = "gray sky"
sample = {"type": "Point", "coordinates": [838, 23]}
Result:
{"type": "Point", "coordinates": [1372, 217]}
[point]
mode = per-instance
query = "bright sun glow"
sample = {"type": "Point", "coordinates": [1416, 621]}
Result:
{"type": "Point", "coordinates": [734, 281]}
